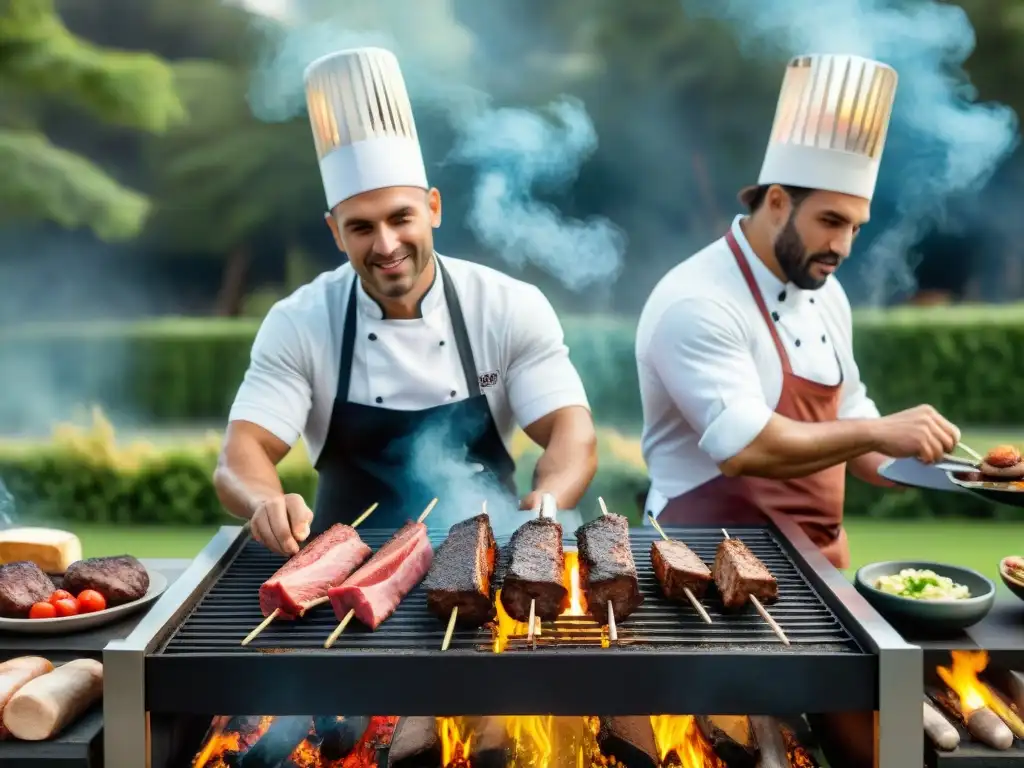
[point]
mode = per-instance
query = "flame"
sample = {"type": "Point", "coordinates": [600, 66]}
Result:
{"type": "Point", "coordinates": [505, 627]}
{"type": "Point", "coordinates": [222, 742]}
{"type": "Point", "coordinates": [577, 602]}
{"type": "Point", "coordinates": [681, 744]}
{"type": "Point", "coordinates": [532, 735]}
{"type": "Point", "coordinates": [456, 743]}
{"type": "Point", "coordinates": [962, 680]}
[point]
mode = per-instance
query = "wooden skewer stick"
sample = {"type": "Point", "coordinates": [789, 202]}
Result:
{"type": "Point", "coordinates": [686, 590]}
{"type": "Point", "coordinates": [312, 603]}
{"type": "Point", "coordinates": [339, 629]}
{"type": "Point", "coordinates": [604, 509]}
{"type": "Point", "coordinates": [529, 631]}
{"type": "Point", "coordinates": [764, 613]}
{"type": "Point", "coordinates": [427, 511]}
{"type": "Point", "coordinates": [971, 452]}
{"type": "Point", "coordinates": [613, 633]}
{"type": "Point", "coordinates": [451, 628]}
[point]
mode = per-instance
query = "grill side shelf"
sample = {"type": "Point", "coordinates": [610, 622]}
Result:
{"type": "Point", "coordinates": [229, 609]}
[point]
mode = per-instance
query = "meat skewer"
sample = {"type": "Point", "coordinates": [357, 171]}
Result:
{"type": "Point", "coordinates": [535, 585]}
{"type": "Point", "coordinates": [750, 596]}
{"type": "Point", "coordinates": [374, 591]}
{"type": "Point", "coordinates": [459, 582]}
{"type": "Point", "coordinates": [663, 568]}
{"type": "Point", "coordinates": [273, 592]}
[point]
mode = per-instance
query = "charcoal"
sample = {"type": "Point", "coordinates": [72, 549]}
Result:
{"type": "Point", "coordinates": [415, 744]}
{"type": "Point", "coordinates": [771, 747]}
{"type": "Point", "coordinates": [607, 570]}
{"type": "Point", "coordinates": [731, 738]}
{"type": "Point", "coordinates": [339, 735]}
{"type": "Point", "coordinates": [462, 573]}
{"type": "Point", "coordinates": [630, 740]}
{"type": "Point", "coordinates": [491, 746]}
{"type": "Point", "coordinates": [535, 572]}
{"type": "Point", "coordinates": [282, 737]}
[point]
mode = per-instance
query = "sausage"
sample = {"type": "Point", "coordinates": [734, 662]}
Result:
{"type": "Point", "coordinates": [16, 673]}
{"type": "Point", "coordinates": [939, 729]}
{"type": "Point", "coordinates": [47, 704]}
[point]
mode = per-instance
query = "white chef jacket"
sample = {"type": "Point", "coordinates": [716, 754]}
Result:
{"type": "Point", "coordinates": [518, 346]}
{"type": "Point", "coordinates": [710, 375]}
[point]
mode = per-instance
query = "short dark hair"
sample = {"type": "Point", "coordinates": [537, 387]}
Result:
{"type": "Point", "coordinates": [753, 197]}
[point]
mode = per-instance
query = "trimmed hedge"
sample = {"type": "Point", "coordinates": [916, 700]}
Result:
{"type": "Point", "coordinates": [964, 360]}
{"type": "Point", "coordinates": [85, 477]}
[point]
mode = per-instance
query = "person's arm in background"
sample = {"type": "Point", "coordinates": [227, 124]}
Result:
{"type": "Point", "coordinates": [701, 353]}
{"type": "Point", "coordinates": [548, 399]}
{"type": "Point", "coordinates": [268, 414]}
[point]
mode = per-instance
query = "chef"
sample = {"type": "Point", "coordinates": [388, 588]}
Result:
{"type": "Point", "coordinates": [406, 373]}
{"type": "Point", "coordinates": [752, 400]}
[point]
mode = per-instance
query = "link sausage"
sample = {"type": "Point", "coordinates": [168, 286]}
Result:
{"type": "Point", "coordinates": [14, 674]}
{"type": "Point", "coordinates": [47, 704]}
{"type": "Point", "coordinates": [939, 730]}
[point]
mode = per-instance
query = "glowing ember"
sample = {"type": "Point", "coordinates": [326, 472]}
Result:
{"type": "Point", "coordinates": [455, 747]}
{"type": "Point", "coordinates": [681, 744]}
{"type": "Point", "coordinates": [222, 742]}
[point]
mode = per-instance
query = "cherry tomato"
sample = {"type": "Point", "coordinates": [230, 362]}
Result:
{"type": "Point", "coordinates": [91, 601]}
{"type": "Point", "coordinates": [42, 611]}
{"type": "Point", "coordinates": [60, 594]}
{"type": "Point", "coordinates": [67, 607]}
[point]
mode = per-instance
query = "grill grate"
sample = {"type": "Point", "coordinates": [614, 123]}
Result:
{"type": "Point", "coordinates": [229, 610]}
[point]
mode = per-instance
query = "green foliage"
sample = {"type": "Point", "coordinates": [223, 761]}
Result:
{"type": "Point", "coordinates": [40, 181]}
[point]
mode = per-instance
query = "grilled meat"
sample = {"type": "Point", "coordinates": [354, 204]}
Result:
{"type": "Point", "coordinates": [120, 579]}
{"type": "Point", "coordinates": [739, 574]}
{"type": "Point", "coordinates": [22, 584]}
{"type": "Point", "coordinates": [536, 571]}
{"type": "Point", "coordinates": [462, 573]}
{"type": "Point", "coordinates": [1002, 463]}
{"type": "Point", "coordinates": [677, 568]}
{"type": "Point", "coordinates": [607, 569]}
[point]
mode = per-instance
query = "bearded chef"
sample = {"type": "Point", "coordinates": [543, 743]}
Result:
{"type": "Point", "coordinates": [752, 400]}
{"type": "Point", "coordinates": [401, 361]}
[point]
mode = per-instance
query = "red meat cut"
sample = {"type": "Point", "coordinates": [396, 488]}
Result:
{"type": "Point", "coordinates": [323, 563]}
{"type": "Point", "coordinates": [375, 590]}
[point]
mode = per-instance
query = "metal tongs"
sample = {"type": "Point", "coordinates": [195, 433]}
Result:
{"type": "Point", "coordinates": [548, 507]}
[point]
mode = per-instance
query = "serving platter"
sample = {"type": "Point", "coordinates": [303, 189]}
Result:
{"type": "Point", "coordinates": [1010, 493]}
{"type": "Point", "coordinates": [83, 621]}
{"type": "Point", "coordinates": [916, 474]}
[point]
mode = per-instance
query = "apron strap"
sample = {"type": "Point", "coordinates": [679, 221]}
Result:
{"type": "Point", "coordinates": [348, 335]}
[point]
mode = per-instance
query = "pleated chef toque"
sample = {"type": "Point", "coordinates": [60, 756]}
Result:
{"type": "Point", "coordinates": [362, 124]}
{"type": "Point", "coordinates": [830, 124]}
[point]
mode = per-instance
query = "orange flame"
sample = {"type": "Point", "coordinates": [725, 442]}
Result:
{"type": "Point", "coordinates": [455, 746]}
{"type": "Point", "coordinates": [679, 734]}
{"type": "Point", "coordinates": [506, 627]}
{"type": "Point", "coordinates": [962, 679]}
{"type": "Point", "coordinates": [222, 742]}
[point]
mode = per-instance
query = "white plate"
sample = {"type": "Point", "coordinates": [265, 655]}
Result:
{"type": "Point", "coordinates": [83, 621]}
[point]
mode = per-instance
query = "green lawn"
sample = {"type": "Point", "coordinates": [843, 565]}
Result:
{"type": "Point", "coordinates": [976, 544]}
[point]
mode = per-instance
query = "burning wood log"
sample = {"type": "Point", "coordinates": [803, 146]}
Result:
{"type": "Point", "coordinates": [730, 737]}
{"type": "Point", "coordinates": [981, 722]}
{"type": "Point", "coordinates": [771, 746]}
{"type": "Point", "coordinates": [630, 740]}
{"type": "Point", "coordinates": [939, 730]}
{"type": "Point", "coordinates": [415, 744]}
{"type": "Point", "coordinates": [339, 735]}
{"type": "Point", "coordinates": [283, 736]}
{"type": "Point", "coordinates": [490, 744]}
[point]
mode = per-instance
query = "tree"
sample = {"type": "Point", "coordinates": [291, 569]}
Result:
{"type": "Point", "coordinates": [41, 181]}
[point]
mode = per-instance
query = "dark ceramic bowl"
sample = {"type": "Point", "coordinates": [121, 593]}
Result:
{"type": "Point", "coordinates": [928, 615]}
{"type": "Point", "coordinates": [1017, 587]}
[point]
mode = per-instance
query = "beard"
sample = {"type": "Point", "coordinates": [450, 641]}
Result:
{"type": "Point", "coordinates": [796, 262]}
{"type": "Point", "coordinates": [395, 284]}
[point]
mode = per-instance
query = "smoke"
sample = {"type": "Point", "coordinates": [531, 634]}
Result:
{"type": "Point", "coordinates": [942, 142]}
{"type": "Point", "coordinates": [515, 153]}
{"type": "Point", "coordinates": [8, 512]}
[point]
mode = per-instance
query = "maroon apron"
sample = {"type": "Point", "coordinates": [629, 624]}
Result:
{"type": "Point", "coordinates": [814, 502]}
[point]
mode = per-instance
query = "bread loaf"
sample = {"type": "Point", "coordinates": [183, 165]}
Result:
{"type": "Point", "coordinates": [51, 549]}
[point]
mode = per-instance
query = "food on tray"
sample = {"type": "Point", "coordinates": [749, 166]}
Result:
{"type": "Point", "coordinates": [607, 570]}
{"type": "Point", "coordinates": [14, 674]}
{"type": "Point", "coordinates": [678, 568]}
{"type": "Point", "coordinates": [374, 591]}
{"type": "Point", "coordinates": [323, 563]}
{"type": "Point", "coordinates": [921, 585]}
{"type": "Point", "coordinates": [1004, 463]}
{"type": "Point", "coordinates": [120, 579]}
{"type": "Point", "coordinates": [462, 573]}
{"type": "Point", "coordinates": [51, 549]}
{"type": "Point", "coordinates": [536, 572]}
{"type": "Point", "coordinates": [738, 574]}
{"type": "Point", "coordinates": [22, 585]}
{"type": "Point", "coordinates": [47, 704]}
{"type": "Point", "coordinates": [1014, 568]}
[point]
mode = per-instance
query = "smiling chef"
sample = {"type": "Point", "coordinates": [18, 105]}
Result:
{"type": "Point", "coordinates": [752, 400]}
{"type": "Point", "coordinates": [396, 343]}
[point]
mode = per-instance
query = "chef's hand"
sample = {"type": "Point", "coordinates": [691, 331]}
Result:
{"type": "Point", "coordinates": [919, 432]}
{"type": "Point", "coordinates": [531, 501]}
{"type": "Point", "coordinates": [281, 523]}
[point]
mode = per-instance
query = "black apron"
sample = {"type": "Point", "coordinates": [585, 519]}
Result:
{"type": "Point", "coordinates": [374, 454]}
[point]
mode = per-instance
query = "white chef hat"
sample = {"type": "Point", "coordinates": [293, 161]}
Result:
{"type": "Point", "coordinates": [362, 124]}
{"type": "Point", "coordinates": [830, 124]}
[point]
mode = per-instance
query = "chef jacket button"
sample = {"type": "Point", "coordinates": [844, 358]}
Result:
{"type": "Point", "coordinates": [782, 296]}
{"type": "Point", "coordinates": [380, 399]}
{"type": "Point", "coordinates": [452, 393]}
{"type": "Point", "coordinates": [823, 339]}
{"type": "Point", "coordinates": [812, 299]}
{"type": "Point", "coordinates": [440, 343]}
{"type": "Point", "coordinates": [798, 342]}
{"type": "Point", "coordinates": [775, 316]}
{"type": "Point", "coordinates": [372, 337]}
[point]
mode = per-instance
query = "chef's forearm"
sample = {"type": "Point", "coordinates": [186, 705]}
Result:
{"type": "Point", "coordinates": [865, 468]}
{"type": "Point", "coordinates": [246, 475]}
{"type": "Point", "coordinates": [569, 461]}
{"type": "Point", "coordinates": [786, 448]}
